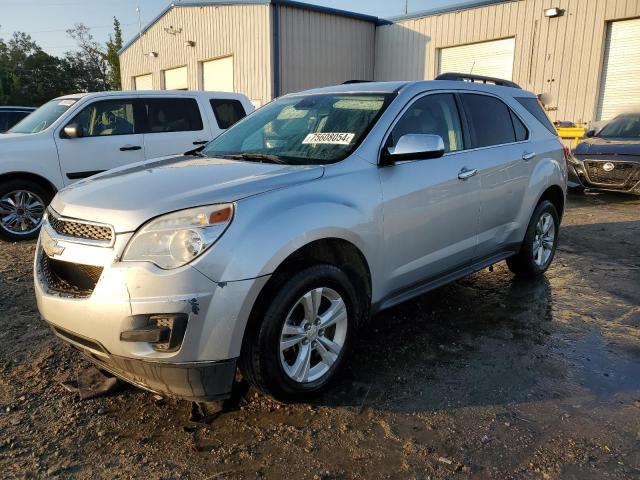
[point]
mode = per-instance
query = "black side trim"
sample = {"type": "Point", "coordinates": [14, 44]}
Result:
{"type": "Point", "coordinates": [79, 175]}
{"type": "Point", "coordinates": [425, 286]}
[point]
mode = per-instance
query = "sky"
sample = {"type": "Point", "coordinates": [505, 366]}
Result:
{"type": "Point", "coordinates": [47, 20]}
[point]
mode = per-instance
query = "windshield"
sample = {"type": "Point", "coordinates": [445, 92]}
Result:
{"type": "Point", "coordinates": [623, 126]}
{"type": "Point", "coordinates": [43, 117]}
{"type": "Point", "coordinates": [312, 129]}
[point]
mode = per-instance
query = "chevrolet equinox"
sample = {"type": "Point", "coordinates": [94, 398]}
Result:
{"type": "Point", "coordinates": [268, 248]}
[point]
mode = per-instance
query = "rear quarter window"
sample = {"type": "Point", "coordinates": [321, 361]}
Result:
{"type": "Point", "coordinates": [227, 111]}
{"type": "Point", "coordinates": [534, 108]}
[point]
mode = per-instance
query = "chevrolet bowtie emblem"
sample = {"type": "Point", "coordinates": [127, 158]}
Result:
{"type": "Point", "coordinates": [51, 247]}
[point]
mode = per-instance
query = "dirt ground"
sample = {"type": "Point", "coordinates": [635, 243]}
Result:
{"type": "Point", "coordinates": [485, 378]}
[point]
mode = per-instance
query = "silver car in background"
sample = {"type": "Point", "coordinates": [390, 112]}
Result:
{"type": "Point", "coordinates": [270, 247]}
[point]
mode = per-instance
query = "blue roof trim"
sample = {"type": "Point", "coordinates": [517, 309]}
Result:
{"type": "Point", "coordinates": [449, 9]}
{"type": "Point", "coordinates": [284, 3]}
{"type": "Point", "coordinates": [321, 9]}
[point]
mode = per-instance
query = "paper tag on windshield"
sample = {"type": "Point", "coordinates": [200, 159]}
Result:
{"type": "Point", "coordinates": [66, 103]}
{"type": "Point", "coordinates": [333, 138]}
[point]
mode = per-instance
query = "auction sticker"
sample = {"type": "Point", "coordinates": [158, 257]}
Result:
{"type": "Point", "coordinates": [333, 138]}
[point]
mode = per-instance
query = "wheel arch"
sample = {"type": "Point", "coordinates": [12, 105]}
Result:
{"type": "Point", "coordinates": [555, 195]}
{"type": "Point", "coordinates": [332, 251]}
{"type": "Point", "coordinates": [32, 177]}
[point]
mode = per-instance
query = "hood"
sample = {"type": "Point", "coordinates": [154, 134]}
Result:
{"type": "Point", "coordinates": [608, 146]}
{"type": "Point", "coordinates": [129, 196]}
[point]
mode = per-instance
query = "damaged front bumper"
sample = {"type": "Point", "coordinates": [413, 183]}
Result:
{"type": "Point", "coordinates": [624, 176]}
{"type": "Point", "coordinates": [93, 302]}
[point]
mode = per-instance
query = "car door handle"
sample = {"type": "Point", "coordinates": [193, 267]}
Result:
{"type": "Point", "coordinates": [126, 148]}
{"type": "Point", "coordinates": [467, 173]}
{"type": "Point", "coordinates": [200, 142]}
{"type": "Point", "coordinates": [526, 156]}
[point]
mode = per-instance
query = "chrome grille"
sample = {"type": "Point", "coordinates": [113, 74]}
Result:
{"type": "Point", "coordinates": [79, 229]}
{"type": "Point", "coordinates": [623, 175]}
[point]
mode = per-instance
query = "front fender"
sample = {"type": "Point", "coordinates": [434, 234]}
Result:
{"type": "Point", "coordinates": [268, 228]}
{"type": "Point", "coordinates": [34, 154]}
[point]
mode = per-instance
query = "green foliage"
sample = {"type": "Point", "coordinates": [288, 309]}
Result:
{"type": "Point", "coordinates": [114, 44]}
{"type": "Point", "coordinates": [29, 76]}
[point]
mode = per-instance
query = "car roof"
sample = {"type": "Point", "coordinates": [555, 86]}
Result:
{"type": "Point", "coordinates": [417, 86]}
{"type": "Point", "coordinates": [142, 93]}
{"type": "Point", "coordinates": [5, 108]}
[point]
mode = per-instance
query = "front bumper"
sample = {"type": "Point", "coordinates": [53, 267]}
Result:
{"type": "Point", "coordinates": [195, 381]}
{"type": "Point", "coordinates": [589, 173]}
{"type": "Point", "coordinates": [124, 298]}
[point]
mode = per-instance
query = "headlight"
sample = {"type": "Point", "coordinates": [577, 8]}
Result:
{"type": "Point", "coordinates": [173, 240]}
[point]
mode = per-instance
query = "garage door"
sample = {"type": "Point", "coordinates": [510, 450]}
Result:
{"type": "Point", "coordinates": [494, 58]}
{"type": "Point", "coordinates": [619, 84]}
{"type": "Point", "coordinates": [176, 79]}
{"type": "Point", "coordinates": [217, 75]}
{"type": "Point", "coordinates": [144, 82]}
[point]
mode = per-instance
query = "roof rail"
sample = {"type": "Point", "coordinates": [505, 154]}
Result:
{"type": "Point", "coordinates": [469, 77]}
{"type": "Point", "coordinates": [349, 82]}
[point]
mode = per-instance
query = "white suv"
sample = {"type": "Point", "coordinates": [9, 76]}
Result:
{"type": "Point", "coordinates": [76, 136]}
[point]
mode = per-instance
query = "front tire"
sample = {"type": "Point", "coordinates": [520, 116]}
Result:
{"type": "Point", "coordinates": [22, 207]}
{"type": "Point", "coordinates": [304, 335]}
{"type": "Point", "coordinates": [540, 243]}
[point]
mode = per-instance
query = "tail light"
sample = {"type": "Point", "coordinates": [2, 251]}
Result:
{"type": "Point", "coordinates": [567, 153]}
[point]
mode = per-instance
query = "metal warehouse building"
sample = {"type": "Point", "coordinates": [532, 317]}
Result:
{"type": "Point", "coordinates": [584, 53]}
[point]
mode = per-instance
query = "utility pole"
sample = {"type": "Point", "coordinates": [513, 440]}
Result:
{"type": "Point", "coordinates": [406, 6]}
{"type": "Point", "coordinates": [139, 30]}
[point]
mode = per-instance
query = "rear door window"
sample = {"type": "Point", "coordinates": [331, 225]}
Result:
{"type": "Point", "coordinates": [520, 129]}
{"type": "Point", "coordinates": [172, 115]}
{"type": "Point", "coordinates": [227, 111]}
{"type": "Point", "coordinates": [490, 120]}
{"type": "Point", "coordinates": [534, 108]}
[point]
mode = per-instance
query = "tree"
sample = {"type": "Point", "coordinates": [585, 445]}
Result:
{"type": "Point", "coordinates": [88, 64]}
{"type": "Point", "coordinates": [114, 44]}
{"type": "Point", "coordinates": [28, 75]}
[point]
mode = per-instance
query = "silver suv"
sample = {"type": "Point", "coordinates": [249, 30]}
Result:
{"type": "Point", "coordinates": [270, 247]}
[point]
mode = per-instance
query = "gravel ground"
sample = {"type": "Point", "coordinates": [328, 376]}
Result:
{"type": "Point", "coordinates": [486, 378]}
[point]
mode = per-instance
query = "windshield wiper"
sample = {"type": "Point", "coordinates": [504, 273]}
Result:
{"type": "Point", "coordinates": [261, 157]}
{"type": "Point", "coordinates": [196, 152]}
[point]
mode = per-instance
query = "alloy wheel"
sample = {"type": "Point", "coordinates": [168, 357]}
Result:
{"type": "Point", "coordinates": [313, 335]}
{"type": "Point", "coordinates": [21, 212]}
{"type": "Point", "coordinates": [544, 239]}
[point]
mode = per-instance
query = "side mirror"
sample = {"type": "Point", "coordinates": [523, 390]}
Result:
{"type": "Point", "coordinates": [73, 130]}
{"type": "Point", "coordinates": [590, 133]}
{"type": "Point", "coordinates": [413, 146]}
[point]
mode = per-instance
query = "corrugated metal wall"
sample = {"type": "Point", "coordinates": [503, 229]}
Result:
{"type": "Point", "coordinates": [318, 49]}
{"type": "Point", "coordinates": [561, 56]}
{"type": "Point", "coordinates": [216, 33]}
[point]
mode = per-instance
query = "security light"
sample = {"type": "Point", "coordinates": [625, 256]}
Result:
{"type": "Point", "coordinates": [153, 54]}
{"type": "Point", "coordinates": [189, 43]}
{"type": "Point", "coordinates": [553, 12]}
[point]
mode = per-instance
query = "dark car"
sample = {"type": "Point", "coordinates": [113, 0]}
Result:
{"type": "Point", "coordinates": [9, 116]}
{"type": "Point", "coordinates": [609, 159]}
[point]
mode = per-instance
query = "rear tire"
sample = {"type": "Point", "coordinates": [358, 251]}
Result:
{"type": "Point", "coordinates": [22, 207]}
{"type": "Point", "coordinates": [539, 244]}
{"type": "Point", "coordinates": [303, 336]}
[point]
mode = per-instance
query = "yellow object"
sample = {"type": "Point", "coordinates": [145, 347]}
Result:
{"type": "Point", "coordinates": [571, 135]}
